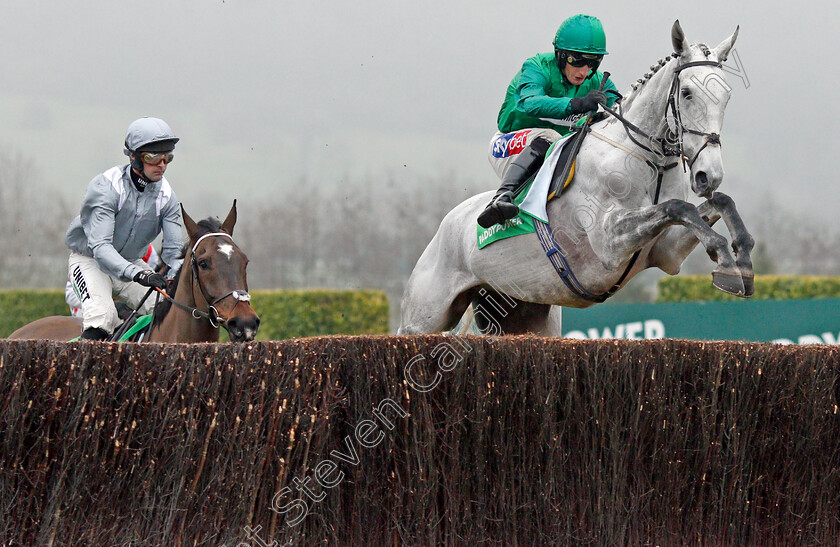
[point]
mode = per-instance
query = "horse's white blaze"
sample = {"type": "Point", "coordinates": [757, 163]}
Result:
{"type": "Point", "coordinates": [226, 249]}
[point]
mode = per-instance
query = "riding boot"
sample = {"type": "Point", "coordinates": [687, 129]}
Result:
{"type": "Point", "coordinates": [94, 333]}
{"type": "Point", "coordinates": [521, 169]}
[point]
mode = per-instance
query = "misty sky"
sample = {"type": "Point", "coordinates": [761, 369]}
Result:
{"type": "Point", "coordinates": [269, 95]}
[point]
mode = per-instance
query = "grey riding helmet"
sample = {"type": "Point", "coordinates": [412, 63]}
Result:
{"type": "Point", "coordinates": [149, 135]}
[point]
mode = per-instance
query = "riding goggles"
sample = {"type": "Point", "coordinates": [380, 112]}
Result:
{"type": "Point", "coordinates": [154, 158]}
{"type": "Point", "coordinates": [582, 59]}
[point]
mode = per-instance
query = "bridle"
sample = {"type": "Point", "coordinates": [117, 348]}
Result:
{"type": "Point", "coordinates": [665, 148]}
{"type": "Point", "coordinates": [212, 314]}
{"type": "Point", "coordinates": [674, 106]}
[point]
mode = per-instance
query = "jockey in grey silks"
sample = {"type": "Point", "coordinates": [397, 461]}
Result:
{"type": "Point", "coordinates": [123, 211]}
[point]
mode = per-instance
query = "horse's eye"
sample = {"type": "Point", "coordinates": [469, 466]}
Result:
{"type": "Point", "coordinates": [686, 93]}
{"type": "Point", "coordinates": [203, 264]}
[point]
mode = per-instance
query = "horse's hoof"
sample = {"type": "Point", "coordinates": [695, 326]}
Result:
{"type": "Point", "coordinates": [728, 283]}
{"type": "Point", "coordinates": [749, 285]}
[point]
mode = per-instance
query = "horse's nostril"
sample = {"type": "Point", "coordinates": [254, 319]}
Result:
{"type": "Point", "coordinates": [243, 328]}
{"type": "Point", "coordinates": [701, 184]}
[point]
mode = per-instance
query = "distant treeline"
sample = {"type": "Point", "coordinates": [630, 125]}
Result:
{"type": "Point", "coordinates": [434, 440]}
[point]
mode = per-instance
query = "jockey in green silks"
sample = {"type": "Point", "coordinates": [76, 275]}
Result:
{"type": "Point", "coordinates": [544, 100]}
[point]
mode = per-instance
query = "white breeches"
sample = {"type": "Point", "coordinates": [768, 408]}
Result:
{"type": "Point", "coordinates": [96, 289]}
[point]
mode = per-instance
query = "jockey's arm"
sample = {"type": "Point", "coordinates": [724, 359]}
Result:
{"type": "Point", "coordinates": [99, 218]}
{"type": "Point", "coordinates": [533, 98]}
{"type": "Point", "coordinates": [173, 230]}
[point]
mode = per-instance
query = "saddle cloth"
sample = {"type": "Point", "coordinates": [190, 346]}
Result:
{"type": "Point", "coordinates": [537, 196]}
{"type": "Point", "coordinates": [532, 199]}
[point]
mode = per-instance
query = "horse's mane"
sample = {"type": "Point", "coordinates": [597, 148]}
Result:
{"type": "Point", "coordinates": [638, 84]}
{"type": "Point", "coordinates": [206, 226]}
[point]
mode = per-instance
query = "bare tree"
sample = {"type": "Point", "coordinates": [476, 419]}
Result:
{"type": "Point", "coordinates": [32, 250]}
{"type": "Point", "coordinates": [356, 234]}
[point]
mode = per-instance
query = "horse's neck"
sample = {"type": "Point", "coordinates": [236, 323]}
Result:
{"type": "Point", "coordinates": [647, 106]}
{"type": "Point", "coordinates": [179, 325]}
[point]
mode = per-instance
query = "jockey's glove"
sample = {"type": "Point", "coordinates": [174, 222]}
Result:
{"type": "Point", "coordinates": [148, 278]}
{"type": "Point", "coordinates": [588, 102]}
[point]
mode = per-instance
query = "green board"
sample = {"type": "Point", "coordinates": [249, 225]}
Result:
{"type": "Point", "coordinates": [814, 321]}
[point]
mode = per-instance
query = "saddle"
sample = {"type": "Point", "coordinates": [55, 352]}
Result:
{"type": "Point", "coordinates": [564, 171]}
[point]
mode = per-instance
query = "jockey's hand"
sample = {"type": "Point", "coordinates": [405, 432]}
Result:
{"type": "Point", "coordinates": [588, 102]}
{"type": "Point", "coordinates": [148, 278]}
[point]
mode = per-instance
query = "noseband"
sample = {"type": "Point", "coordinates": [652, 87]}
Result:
{"type": "Point", "coordinates": [212, 314]}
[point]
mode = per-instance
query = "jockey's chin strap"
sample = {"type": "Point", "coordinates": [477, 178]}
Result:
{"type": "Point", "coordinates": [212, 314]}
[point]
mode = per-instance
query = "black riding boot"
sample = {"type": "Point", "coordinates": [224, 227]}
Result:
{"type": "Point", "coordinates": [94, 333]}
{"type": "Point", "coordinates": [522, 168]}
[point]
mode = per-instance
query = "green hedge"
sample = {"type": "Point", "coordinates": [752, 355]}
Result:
{"type": "Point", "coordinates": [692, 288]}
{"type": "Point", "coordinates": [283, 313]}
{"type": "Point", "coordinates": [296, 314]}
{"type": "Point", "coordinates": [21, 306]}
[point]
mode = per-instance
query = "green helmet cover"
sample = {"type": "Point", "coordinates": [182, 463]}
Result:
{"type": "Point", "coordinates": [581, 33]}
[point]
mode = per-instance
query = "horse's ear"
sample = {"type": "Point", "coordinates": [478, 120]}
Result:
{"type": "Point", "coordinates": [227, 225]}
{"type": "Point", "coordinates": [678, 38]}
{"type": "Point", "coordinates": [189, 224]}
{"type": "Point", "coordinates": [722, 50]}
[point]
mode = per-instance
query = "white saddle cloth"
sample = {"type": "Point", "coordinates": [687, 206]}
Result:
{"type": "Point", "coordinates": [535, 200]}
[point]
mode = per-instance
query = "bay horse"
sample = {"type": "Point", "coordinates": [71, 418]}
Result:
{"type": "Point", "coordinates": [626, 210]}
{"type": "Point", "coordinates": [210, 291]}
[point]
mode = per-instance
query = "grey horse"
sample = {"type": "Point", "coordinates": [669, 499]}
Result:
{"type": "Point", "coordinates": [626, 210]}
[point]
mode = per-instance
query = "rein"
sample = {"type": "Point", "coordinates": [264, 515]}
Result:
{"type": "Point", "coordinates": [212, 314]}
{"type": "Point", "coordinates": [673, 107]}
{"type": "Point", "coordinates": [546, 238]}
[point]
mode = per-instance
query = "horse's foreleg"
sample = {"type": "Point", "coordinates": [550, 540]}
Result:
{"type": "Point", "coordinates": [677, 242]}
{"type": "Point", "coordinates": [742, 241]}
{"type": "Point", "coordinates": [629, 231]}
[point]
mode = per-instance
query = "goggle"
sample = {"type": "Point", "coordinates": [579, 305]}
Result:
{"type": "Point", "coordinates": [583, 59]}
{"type": "Point", "coordinates": [156, 158]}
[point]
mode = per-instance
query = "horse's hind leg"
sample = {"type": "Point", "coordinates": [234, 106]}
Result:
{"type": "Point", "coordinates": [498, 314]}
{"type": "Point", "coordinates": [430, 304]}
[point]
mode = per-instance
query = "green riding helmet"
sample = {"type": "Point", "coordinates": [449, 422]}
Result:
{"type": "Point", "coordinates": [581, 33]}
